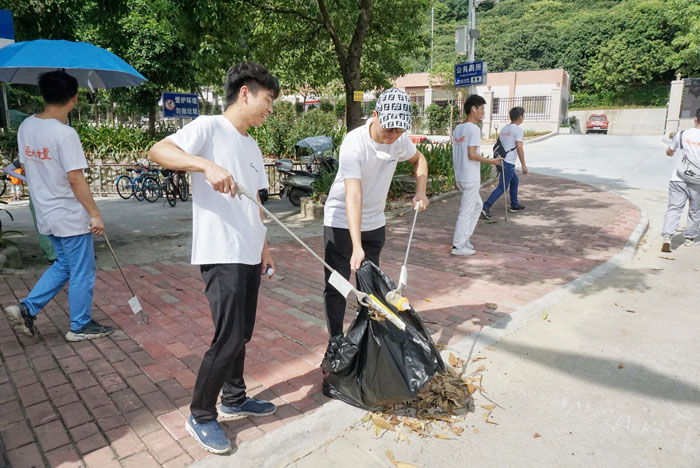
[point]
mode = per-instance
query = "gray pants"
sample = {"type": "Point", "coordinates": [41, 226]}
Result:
{"type": "Point", "coordinates": [678, 194]}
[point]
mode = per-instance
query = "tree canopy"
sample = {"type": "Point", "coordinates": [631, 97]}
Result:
{"type": "Point", "coordinates": [604, 45]}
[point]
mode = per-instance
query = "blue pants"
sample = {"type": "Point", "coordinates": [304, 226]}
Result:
{"type": "Point", "coordinates": [511, 181]}
{"type": "Point", "coordinates": [75, 262]}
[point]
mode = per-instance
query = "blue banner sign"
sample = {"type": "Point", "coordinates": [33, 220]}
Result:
{"type": "Point", "coordinates": [180, 105]}
{"type": "Point", "coordinates": [7, 30]}
{"type": "Point", "coordinates": [470, 73]}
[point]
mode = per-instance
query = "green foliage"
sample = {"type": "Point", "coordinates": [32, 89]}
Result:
{"type": "Point", "coordinates": [639, 53]}
{"type": "Point", "coordinates": [438, 118]}
{"type": "Point", "coordinates": [322, 185]}
{"type": "Point", "coordinates": [285, 127]}
{"type": "Point", "coordinates": [340, 108]}
{"type": "Point", "coordinates": [114, 142]}
{"type": "Point", "coordinates": [614, 47]}
{"type": "Point", "coordinates": [649, 95]}
{"type": "Point", "coordinates": [684, 15]}
{"type": "Point", "coordinates": [8, 143]}
{"type": "Point", "coordinates": [440, 169]}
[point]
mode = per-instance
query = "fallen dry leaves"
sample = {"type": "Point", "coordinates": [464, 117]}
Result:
{"type": "Point", "coordinates": [442, 405]}
{"type": "Point", "coordinates": [398, 464]}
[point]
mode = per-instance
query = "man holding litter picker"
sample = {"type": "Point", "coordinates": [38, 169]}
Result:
{"type": "Point", "coordinates": [354, 224]}
{"type": "Point", "coordinates": [228, 241]}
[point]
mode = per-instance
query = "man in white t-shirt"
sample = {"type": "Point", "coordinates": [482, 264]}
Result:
{"type": "Point", "coordinates": [354, 211]}
{"type": "Point", "coordinates": [467, 159]}
{"type": "Point", "coordinates": [680, 192]}
{"type": "Point", "coordinates": [228, 241]}
{"type": "Point", "coordinates": [511, 137]}
{"type": "Point", "coordinates": [53, 160]}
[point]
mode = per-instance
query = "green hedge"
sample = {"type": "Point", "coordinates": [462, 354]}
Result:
{"type": "Point", "coordinates": [285, 127]}
{"type": "Point", "coordinates": [651, 95]}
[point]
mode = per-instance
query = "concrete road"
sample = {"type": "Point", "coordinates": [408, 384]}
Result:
{"type": "Point", "coordinates": [609, 377]}
{"type": "Point", "coordinates": [142, 232]}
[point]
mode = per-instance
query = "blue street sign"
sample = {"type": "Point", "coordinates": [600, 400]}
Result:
{"type": "Point", "coordinates": [470, 73]}
{"type": "Point", "coordinates": [7, 30]}
{"type": "Point", "coordinates": [180, 105]}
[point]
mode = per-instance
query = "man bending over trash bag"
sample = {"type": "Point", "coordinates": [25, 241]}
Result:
{"type": "Point", "coordinates": [354, 224]}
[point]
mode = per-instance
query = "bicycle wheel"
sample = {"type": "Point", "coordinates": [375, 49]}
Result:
{"type": "Point", "coordinates": [124, 187]}
{"type": "Point", "coordinates": [171, 192]}
{"type": "Point", "coordinates": [3, 187]}
{"type": "Point", "coordinates": [151, 189]}
{"type": "Point", "coordinates": [137, 188]}
{"type": "Point", "coordinates": [184, 187]}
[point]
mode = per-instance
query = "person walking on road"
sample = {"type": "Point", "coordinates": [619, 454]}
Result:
{"type": "Point", "coordinates": [511, 137]}
{"type": "Point", "coordinates": [354, 223]}
{"type": "Point", "coordinates": [53, 159]}
{"type": "Point", "coordinates": [680, 192]}
{"type": "Point", "coordinates": [467, 159]}
{"type": "Point", "coordinates": [228, 241]}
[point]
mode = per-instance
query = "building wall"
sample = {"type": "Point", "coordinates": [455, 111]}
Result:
{"type": "Point", "coordinates": [627, 121]}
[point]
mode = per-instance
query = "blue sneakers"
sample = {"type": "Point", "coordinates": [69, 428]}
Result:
{"type": "Point", "coordinates": [250, 407]}
{"type": "Point", "coordinates": [209, 435]}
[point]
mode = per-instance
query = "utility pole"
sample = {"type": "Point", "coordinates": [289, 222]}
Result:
{"type": "Point", "coordinates": [432, 33]}
{"type": "Point", "coordinates": [472, 28]}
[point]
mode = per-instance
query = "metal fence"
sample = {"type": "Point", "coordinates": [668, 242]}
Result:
{"type": "Point", "coordinates": [536, 107]}
{"type": "Point", "coordinates": [102, 177]}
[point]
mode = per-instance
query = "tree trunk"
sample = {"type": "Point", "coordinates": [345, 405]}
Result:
{"type": "Point", "coordinates": [353, 109]}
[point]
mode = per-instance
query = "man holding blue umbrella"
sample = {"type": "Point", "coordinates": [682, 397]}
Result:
{"type": "Point", "coordinates": [53, 160]}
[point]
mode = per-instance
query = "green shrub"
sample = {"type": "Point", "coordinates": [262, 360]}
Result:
{"type": "Point", "coordinates": [284, 128]}
{"type": "Point", "coordinates": [322, 185]}
{"type": "Point", "coordinates": [340, 109]}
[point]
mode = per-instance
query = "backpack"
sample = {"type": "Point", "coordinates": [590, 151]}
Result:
{"type": "Point", "coordinates": [688, 165]}
{"type": "Point", "coordinates": [499, 151]}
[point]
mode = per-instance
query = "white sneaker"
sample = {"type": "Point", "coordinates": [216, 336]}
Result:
{"type": "Point", "coordinates": [469, 246]}
{"type": "Point", "coordinates": [689, 242]}
{"type": "Point", "coordinates": [463, 252]}
{"type": "Point", "coordinates": [666, 246]}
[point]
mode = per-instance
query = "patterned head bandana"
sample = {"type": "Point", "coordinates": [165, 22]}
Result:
{"type": "Point", "coordinates": [394, 109]}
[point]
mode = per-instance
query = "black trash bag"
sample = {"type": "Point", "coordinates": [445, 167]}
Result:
{"type": "Point", "coordinates": [376, 363]}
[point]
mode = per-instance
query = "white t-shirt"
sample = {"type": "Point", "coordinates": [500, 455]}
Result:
{"type": "Point", "coordinates": [691, 143]}
{"type": "Point", "coordinates": [224, 229]}
{"type": "Point", "coordinates": [374, 164]}
{"type": "Point", "coordinates": [509, 135]}
{"type": "Point", "coordinates": [49, 150]}
{"type": "Point", "coordinates": [464, 136]}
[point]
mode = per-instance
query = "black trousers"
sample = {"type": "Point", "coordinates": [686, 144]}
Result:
{"type": "Point", "coordinates": [338, 248]}
{"type": "Point", "coordinates": [232, 291]}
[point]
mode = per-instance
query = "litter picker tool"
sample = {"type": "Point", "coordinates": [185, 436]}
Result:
{"type": "Point", "coordinates": [505, 191]}
{"type": "Point", "coordinates": [395, 297]}
{"type": "Point", "coordinates": [134, 301]}
{"type": "Point", "coordinates": [336, 280]}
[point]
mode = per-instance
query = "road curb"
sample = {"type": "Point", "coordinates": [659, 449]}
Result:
{"type": "Point", "coordinates": [503, 327]}
{"type": "Point", "coordinates": [542, 138]}
{"type": "Point", "coordinates": [301, 437]}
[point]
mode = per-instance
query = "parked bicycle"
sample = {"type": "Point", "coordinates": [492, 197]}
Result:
{"type": "Point", "coordinates": [181, 184]}
{"type": "Point", "coordinates": [131, 183]}
{"type": "Point", "coordinates": [155, 186]}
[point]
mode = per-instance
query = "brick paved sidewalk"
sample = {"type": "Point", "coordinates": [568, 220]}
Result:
{"type": "Point", "coordinates": [122, 401]}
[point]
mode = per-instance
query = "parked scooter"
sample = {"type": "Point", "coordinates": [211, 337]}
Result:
{"type": "Point", "coordinates": [297, 182]}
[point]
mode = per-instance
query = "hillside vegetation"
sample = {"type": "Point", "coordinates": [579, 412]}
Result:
{"type": "Point", "coordinates": [617, 52]}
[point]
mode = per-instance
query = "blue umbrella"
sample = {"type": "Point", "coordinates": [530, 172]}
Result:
{"type": "Point", "coordinates": [92, 66]}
